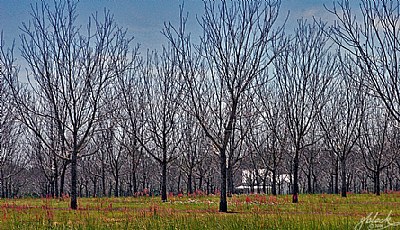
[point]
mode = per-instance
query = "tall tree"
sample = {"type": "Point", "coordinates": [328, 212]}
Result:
{"type": "Point", "coordinates": [130, 113]}
{"type": "Point", "coordinates": [342, 115]}
{"type": "Point", "coordinates": [162, 92]}
{"type": "Point", "coordinates": [237, 45]}
{"type": "Point", "coordinates": [303, 73]}
{"type": "Point", "coordinates": [377, 141]}
{"type": "Point", "coordinates": [13, 158]}
{"type": "Point", "coordinates": [270, 138]}
{"type": "Point", "coordinates": [69, 70]}
{"type": "Point", "coordinates": [371, 37]}
{"type": "Point", "coordinates": [193, 148]}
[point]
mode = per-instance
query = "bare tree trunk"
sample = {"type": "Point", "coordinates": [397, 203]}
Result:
{"type": "Point", "coordinates": [223, 204]}
{"type": "Point", "coordinates": [344, 179]}
{"type": "Point", "coordinates": [87, 192]}
{"type": "Point", "coordinates": [390, 178]}
{"type": "Point", "coordinates": [295, 198]}
{"type": "Point", "coordinates": [274, 182]}
{"type": "Point", "coordinates": [337, 177]}
{"type": "Point", "coordinates": [103, 177]}
{"type": "Point", "coordinates": [208, 185]}
{"type": "Point", "coordinates": [377, 182]}
{"type": "Point", "coordinates": [74, 180]}
{"type": "Point", "coordinates": [179, 181]}
{"type": "Point", "coordinates": [134, 182]}
{"type": "Point", "coordinates": [3, 192]}
{"type": "Point", "coordinates": [144, 181]}
{"type": "Point", "coordinates": [7, 195]}
{"type": "Point", "coordinates": [116, 191]}
{"type": "Point", "coordinates": [164, 180]}
{"type": "Point", "coordinates": [94, 187]}
{"type": "Point", "coordinates": [189, 183]}
{"type": "Point", "coordinates": [201, 182]}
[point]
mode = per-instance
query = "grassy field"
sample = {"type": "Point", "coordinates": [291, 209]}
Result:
{"type": "Point", "coordinates": [201, 212]}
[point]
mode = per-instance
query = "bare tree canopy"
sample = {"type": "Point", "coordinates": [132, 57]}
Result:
{"type": "Point", "coordinates": [69, 70]}
{"type": "Point", "coordinates": [371, 36]}
{"type": "Point", "coordinates": [236, 47]}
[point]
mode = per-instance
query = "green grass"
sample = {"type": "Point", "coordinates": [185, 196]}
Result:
{"type": "Point", "coordinates": [201, 212]}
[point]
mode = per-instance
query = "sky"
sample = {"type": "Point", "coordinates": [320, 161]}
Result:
{"type": "Point", "coordinates": [145, 19]}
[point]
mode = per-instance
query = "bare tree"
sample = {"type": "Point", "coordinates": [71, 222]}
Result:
{"type": "Point", "coordinates": [68, 72]}
{"type": "Point", "coordinates": [342, 115]}
{"type": "Point", "coordinates": [377, 141]}
{"type": "Point", "coordinates": [162, 93]}
{"type": "Point", "coordinates": [310, 158]}
{"type": "Point", "coordinates": [116, 153]}
{"type": "Point", "coordinates": [373, 41]}
{"type": "Point", "coordinates": [237, 148]}
{"type": "Point", "coordinates": [130, 113]}
{"type": "Point", "coordinates": [270, 138]}
{"type": "Point", "coordinates": [237, 46]}
{"type": "Point", "coordinates": [303, 74]}
{"type": "Point", "coordinates": [193, 148]}
{"type": "Point", "coordinates": [13, 158]}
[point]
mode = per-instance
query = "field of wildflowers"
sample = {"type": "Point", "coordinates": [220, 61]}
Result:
{"type": "Point", "coordinates": [323, 211]}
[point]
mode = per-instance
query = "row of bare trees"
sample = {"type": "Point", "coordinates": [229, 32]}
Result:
{"type": "Point", "coordinates": [94, 117]}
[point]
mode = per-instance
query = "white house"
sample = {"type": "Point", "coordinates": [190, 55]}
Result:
{"type": "Point", "coordinates": [250, 183]}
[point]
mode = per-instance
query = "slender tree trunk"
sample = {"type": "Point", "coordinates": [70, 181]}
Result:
{"type": "Point", "coordinates": [189, 184]}
{"type": "Point", "coordinates": [314, 184]}
{"type": "Point", "coordinates": [390, 179]}
{"type": "Point", "coordinates": [3, 192]}
{"type": "Point", "coordinates": [109, 188]}
{"type": "Point", "coordinates": [201, 182]}
{"type": "Point", "coordinates": [94, 187]}
{"type": "Point", "coordinates": [9, 188]}
{"type": "Point", "coordinates": [134, 182]}
{"type": "Point", "coordinates": [103, 175]}
{"type": "Point", "coordinates": [74, 201]}
{"type": "Point", "coordinates": [51, 186]}
{"type": "Point", "coordinates": [7, 191]}
{"type": "Point", "coordinates": [295, 198]}
{"type": "Point", "coordinates": [164, 180]}
{"type": "Point", "coordinates": [87, 192]}
{"type": "Point", "coordinates": [212, 186]}
{"type": "Point", "coordinates": [223, 204]}
{"type": "Point", "coordinates": [208, 185]}
{"type": "Point", "coordinates": [179, 181]}
{"type": "Point", "coordinates": [377, 183]}
{"type": "Point", "coordinates": [344, 181]}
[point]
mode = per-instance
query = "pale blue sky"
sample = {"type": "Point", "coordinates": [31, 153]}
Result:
{"type": "Point", "coordinates": [145, 18]}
